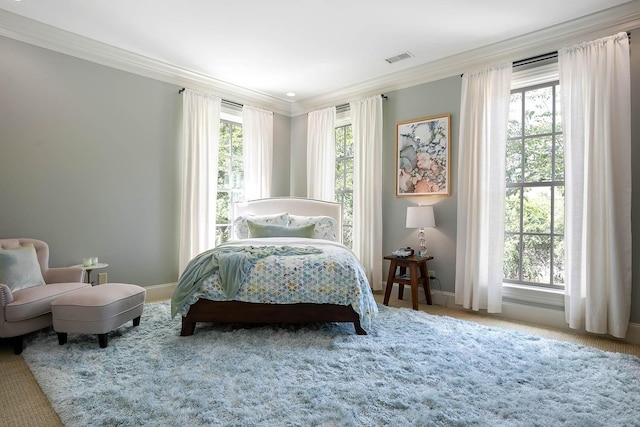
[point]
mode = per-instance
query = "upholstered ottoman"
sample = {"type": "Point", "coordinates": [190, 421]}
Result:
{"type": "Point", "coordinates": [97, 310]}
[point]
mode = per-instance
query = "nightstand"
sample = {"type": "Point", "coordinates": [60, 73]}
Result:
{"type": "Point", "coordinates": [415, 265]}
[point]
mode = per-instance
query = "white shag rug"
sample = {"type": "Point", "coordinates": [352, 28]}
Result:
{"type": "Point", "coordinates": [413, 369]}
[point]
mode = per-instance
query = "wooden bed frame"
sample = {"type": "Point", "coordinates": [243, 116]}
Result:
{"type": "Point", "coordinates": [245, 312]}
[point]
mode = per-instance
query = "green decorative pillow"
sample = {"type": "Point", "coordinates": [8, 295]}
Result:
{"type": "Point", "coordinates": [268, 230]}
{"type": "Point", "coordinates": [19, 268]}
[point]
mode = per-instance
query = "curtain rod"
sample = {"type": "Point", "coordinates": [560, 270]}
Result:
{"type": "Point", "coordinates": [542, 57]}
{"type": "Point", "coordinates": [224, 101]}
{"type": "Point", "coordinates": [345, 106]}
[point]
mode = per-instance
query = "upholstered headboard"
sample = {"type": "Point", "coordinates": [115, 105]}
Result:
{"type": "Point", "coordinates": [293, 205]}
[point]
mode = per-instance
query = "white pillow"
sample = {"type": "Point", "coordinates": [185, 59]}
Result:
{"type": "Point", "coordinates": [242, 229]}
{"type": "Point", "coordinates": [325, 225]}
{"type": "Point", "coordinates": [19, 268]}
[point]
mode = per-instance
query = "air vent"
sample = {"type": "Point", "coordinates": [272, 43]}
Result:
{"type": "Point", "coordinates": [400, 57]}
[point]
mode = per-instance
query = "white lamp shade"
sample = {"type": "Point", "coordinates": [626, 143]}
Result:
{"type": "Point", "coordinates": [420, 217]}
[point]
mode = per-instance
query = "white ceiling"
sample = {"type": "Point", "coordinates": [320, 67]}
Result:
{"type": "Point", "coordinates": [309, 47]}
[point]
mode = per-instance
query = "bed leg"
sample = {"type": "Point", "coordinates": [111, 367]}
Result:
{"type": "Point", "coordinates": [359, 329]}
{"type": "Point", "coordinates": [188, 328]}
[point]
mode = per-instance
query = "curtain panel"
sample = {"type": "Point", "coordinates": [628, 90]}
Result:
{"type": "Point", "coordinates": [257, 131]}
{"type": "Point", "coordinates": [484, 113]}
{"type": "Point", "coordinates": [199, 174]}
{"type": "Point", "coordinates": [321, 154]}
{"type": "Point", "coordinates": [596, 108]}
{"type": "Point", "coordinates": [366, 115]}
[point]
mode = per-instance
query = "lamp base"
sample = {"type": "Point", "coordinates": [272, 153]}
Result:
{"type": "Point", "coordinates": [422, 251]}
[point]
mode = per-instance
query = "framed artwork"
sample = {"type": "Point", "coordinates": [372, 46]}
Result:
{"type": "Point", "coordinates": [422, 156]}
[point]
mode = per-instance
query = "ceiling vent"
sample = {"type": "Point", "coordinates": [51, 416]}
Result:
{"type": "Point", "coordinates": [404, 55]}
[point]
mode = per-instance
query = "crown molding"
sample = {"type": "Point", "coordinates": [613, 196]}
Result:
{"type": "Point", "coordinates": [27, 30]}
{"type": "Point", "coordinates": [621, 18]}
{"type": "Point", "coordinates": [611, 21]}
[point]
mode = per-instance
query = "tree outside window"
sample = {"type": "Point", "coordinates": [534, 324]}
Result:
{"type": "Point", "coordinates": [344, 180]}
{"type": "Point", "coordinates": [230, 178]}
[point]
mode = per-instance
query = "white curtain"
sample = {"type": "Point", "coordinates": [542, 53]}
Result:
{"type": "Point", "coordinates": [596, 109]}
{"type": "Point", "coordinates": [366, 116]}
{"type": "Point", "coordinates": [321, 154]}
{"type": "Point", "coordinates": [199, 174]}
{"type": "Point", "coordinates": [484, 113]}
{"type": "Point", "coordinates": [257, 131]}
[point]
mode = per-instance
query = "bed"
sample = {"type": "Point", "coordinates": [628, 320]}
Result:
{"type": "Point", "coordinates": [286, 265]}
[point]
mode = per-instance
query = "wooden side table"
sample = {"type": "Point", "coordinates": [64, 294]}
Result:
{"type": "Point", "coordinates": [414, 264]}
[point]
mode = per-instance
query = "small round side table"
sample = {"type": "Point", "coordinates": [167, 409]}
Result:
{"type": "Point", "coordinates": [90, 268]}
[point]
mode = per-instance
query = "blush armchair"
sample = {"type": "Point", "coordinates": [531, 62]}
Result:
{"type": "Point", "coordinates": [25, 300]}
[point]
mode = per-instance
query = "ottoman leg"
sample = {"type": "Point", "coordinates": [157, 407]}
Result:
{"type": "Point", "coordinates": [102, 339]}
{"type": "Point", "coordinates": [136, 321]}
{"type": "Point", "coordinates": [62, 338]}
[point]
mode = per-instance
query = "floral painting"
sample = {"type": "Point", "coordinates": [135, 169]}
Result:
{"type": "Point", "coordinates": [422, 155]}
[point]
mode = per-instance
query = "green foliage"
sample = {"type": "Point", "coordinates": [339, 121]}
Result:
{"type": "Point", "coordinates": [230, 177]}
{"type": "Point", "coordinates": [344, 180]}
{"type": "Point", "coordinates": [534, 200]}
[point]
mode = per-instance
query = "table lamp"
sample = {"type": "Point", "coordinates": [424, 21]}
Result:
{"type": "Point", "coordinates": [421, 217]}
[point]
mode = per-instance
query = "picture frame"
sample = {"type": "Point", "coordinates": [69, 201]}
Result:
{"type": "Point", "coordinates": [423, 163]}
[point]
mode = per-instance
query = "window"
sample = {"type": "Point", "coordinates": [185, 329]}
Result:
{"type": "Point", "coordinates": [230, 177]}
{"type": "Point", "coordinates": [344, 180]}
{"type": "Point", "coordinates": [534, 203]}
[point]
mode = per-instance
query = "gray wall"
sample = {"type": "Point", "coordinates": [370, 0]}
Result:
{"type": "Point", "coordinates": [89, 162]}
{"type": "Point", "coordinates": [298, 171]}
{"type": "Point", "coordinates": [431, 99]}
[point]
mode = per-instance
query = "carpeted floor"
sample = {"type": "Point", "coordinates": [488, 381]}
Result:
{"type": "Point", "coordinates": [413, 369]}
{"type": "Point", "coordinates": [24, 404]}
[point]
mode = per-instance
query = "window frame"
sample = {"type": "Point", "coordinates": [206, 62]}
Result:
{"type": "Point", "coordinates": [343, 121]}
{"type": "Point", "coordinates": [228, 117]}
{"type": "Point", "coordinates": [514, 293]}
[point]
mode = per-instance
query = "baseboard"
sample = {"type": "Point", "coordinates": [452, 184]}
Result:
{"type": "Point", "coordinates": [531, 314]}
{"type": "Point", "coordinates": [161, 292]}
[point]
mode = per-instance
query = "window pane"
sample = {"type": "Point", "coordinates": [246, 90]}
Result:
{"type": "Point", "coordinates": [339, 175]}
{"type": "Point", "coordinates": [558, 207]}
{"type": "Point", "coordinates": [558, 111]}
{"type": "Point", "coordinates": [536, 210]}
{"type": "Point", "coordinates": [538, 114]}
{"type": "Point", "coordinates": [514, 161]}
{"type": "Point", "coordinates": [515, 115]}
{"type": "Point", "coordinates": [512, 210]}
{"type": "Point", "coordinates": [339, 142]}
{"type": "Point", "coordinates": [536, 259]}
{"type": "Point", "coordinates": [225, 140]}
{"type": "Point", "coordinates": [538, 159]}
{"type": "Point", "coordinates": [223, 172]}
{"type": "Point", "coordinates": [347, 236]}
{"type": "Point", "coordinates": [347, 209]}
{"type": "Point", "coordinates": [511, 265]}
{"type": "Point", "coordinates": [349, 173]}
{"type": "Point", "coordinates": [558, 260]}
{"type": "Point", "coordinates": [238, 174]}
{"type": "Point", "coordinates": [559, 158]}
{"type": "Point", "coordinates": [222, 234]}
{"type": "Point", "coordinates": [223, 208]}
{"type": "Point", "coordinates": [348, 137]}
{"type": "Point", "coordinates": [236, 142]}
